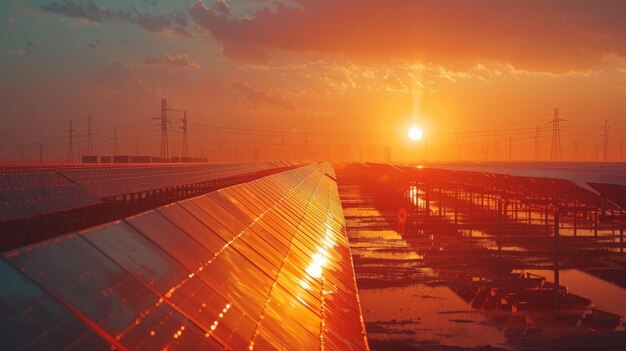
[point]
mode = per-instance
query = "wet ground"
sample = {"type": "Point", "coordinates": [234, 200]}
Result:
{"type": "Point", "coordinates": [432, 285]}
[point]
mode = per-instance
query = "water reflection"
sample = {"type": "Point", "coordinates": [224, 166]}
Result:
{"type": "Point", "coordinates": [422, 313]}
{"type": "Point", "coordinates": [464, 272]}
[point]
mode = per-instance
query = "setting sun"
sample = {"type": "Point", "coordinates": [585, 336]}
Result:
{"type": "Point", "coordinates": [415, 133]}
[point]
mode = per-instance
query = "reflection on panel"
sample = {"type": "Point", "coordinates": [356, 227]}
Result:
{"type": "Point", "coordinates": [25, 193]}
{"type": "Point", "coordinates": [259, 265]}
{"type": "Point", "coordinates": [50, 326]}
{"type": "Point", "coordinates": [34, 189]}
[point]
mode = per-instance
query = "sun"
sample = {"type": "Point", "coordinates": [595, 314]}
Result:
{"type": "Point", "coordinates": [415, 133]}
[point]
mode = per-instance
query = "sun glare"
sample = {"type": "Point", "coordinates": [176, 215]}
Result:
{"type": "Point", "coordinates": [415, 133]}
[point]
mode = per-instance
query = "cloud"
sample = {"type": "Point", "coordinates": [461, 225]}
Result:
{"type": "Point", "coordinates": [81, 10]}
{"type": "Point", "coordinates": [177, 61]}
{"type": "Point", "coordinates": [548, 35]}
{"type": "Point", "coordinates": [339, 80]}
{"type": "Point", "coordinates": [171, 24]}
{"type": "Point", "coordinates": [262, 97]}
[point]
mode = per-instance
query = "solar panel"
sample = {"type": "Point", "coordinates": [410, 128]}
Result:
{"type": "Point", "coordinates": [115, 181]}
{"type": "Point", "coordinates": [223, 270]}
{"type": "Point", "coordinates": [32, 320]}
{"type": "Point", "coordinates": [25, 193]}
{"type": "Point", "coordinates": [28, 191]}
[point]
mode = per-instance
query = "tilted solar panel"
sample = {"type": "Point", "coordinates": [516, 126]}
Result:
{"type": "Point", "coordinates": [260, 265]}
{"type": "Point", "coordinates": [25, 193]}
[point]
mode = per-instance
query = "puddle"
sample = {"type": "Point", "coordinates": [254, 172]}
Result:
{"type": "Point", "coordinates": [449, 281]}
{"type": "Point", "coordinates": [426, 313]}
{"type": "Point", "coordinates": [604, 295]}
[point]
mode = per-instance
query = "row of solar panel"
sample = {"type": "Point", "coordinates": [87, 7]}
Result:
{"type": "Point", "coordinates": [261, 265]}
{"type": "Point", "coordinates": [25, 192]}
{"type": "Point", "coordinates": [580, 174]}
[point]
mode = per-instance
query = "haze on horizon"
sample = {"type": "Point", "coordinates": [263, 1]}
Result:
{"type": "Point", "coordinates": [478, 77]}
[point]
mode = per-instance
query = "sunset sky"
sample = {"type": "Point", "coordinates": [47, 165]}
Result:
{"type": "Point", "coordinates": [344, 75]}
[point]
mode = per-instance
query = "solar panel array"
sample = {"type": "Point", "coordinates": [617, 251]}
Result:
{"type": "Point", "coordinates": [106, 182]}
{"type": "Point", "coordinates": [27, 191]}
{"type": "Point", "coordinates": [579, 173]}
{"type": "Point", "coordinates": [260, 265]}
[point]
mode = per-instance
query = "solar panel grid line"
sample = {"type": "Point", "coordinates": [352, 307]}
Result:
{"type": "Point", "coordinates": [39, 334]}
{"type": "Point", "coordinates": [99, 310]}
{"type": "Point", "coordinates": [252, 195]}
{"type": "Point", "coordinates": [254, 221]}
{"type": "Point", "coordinates": [326, 271]}
{"type": "Point", "coordinates": [258, 192]}
{"type": "Point", "coordinates": [92, 184]}
{"type": "Point", "coordinates": [198, 230]}
{"type": "Point", "coordinates": [267, 302]}
{"type": "Point", "coordinates": [245, 201]}
{"type": "Point", "coordinates": [347, 257]}
{"type": "Point", "coordinates": [244, 255]}
{"type": "Point", "coordinates": [329, 272]}
{"type": "Point", "coordinates": [165, 293]}
{"type": "Point", "coordinates": [45, 193]}
{"type": "Point", "coordinates": [222, 230]}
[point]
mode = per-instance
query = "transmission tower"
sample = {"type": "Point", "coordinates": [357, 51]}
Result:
{"type": "Point", "coordinates": [459, 144]}
{"type": "Point", "coordinates": [115, 139]}
{"type": "Point", "coordinates": [70, 144]}
{"type": "Point", "coordinates": [605, 140]}
{"type": "Point", "coordinates": [555, 149]}
{"type": "Point", "coordinates": [537, 141]}
{"type": "Point", "coordinates": [496, 148]}
{"type": "Point", "coordinates": [89, 137]}
{"type": "Point", "coordinates": [510, 149]}
{"type": "Point", "coordinates": [165, 122]}
{"type": "Point", "coordinates": [596, 152]}
{"type": "Point", "coordinates": [185, 135]}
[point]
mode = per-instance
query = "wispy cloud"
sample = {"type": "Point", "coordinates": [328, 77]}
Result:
{"type": "Point", "coordinates": [172, 23]}
{"type": "Point", "coordinates": [176, 61]}
{"type": "Point", "coordinates": [262, 97]}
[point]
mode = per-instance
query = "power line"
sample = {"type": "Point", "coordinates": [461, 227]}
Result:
{"type": "Point", "coordinates": [496, 149]}
{"type": "Point", "coordinates": [605, 140]}
{"type": "Point", "coordinates": [510, 149]}
{"type": "Point", "coordinates": [555, 149]}
{"type": "Point", "coordinates": [70, 144]}
{"type": "Point", "coordinates": [115, 139]}
{"type": "Point", "coordinates": [576, 145]}
{"type": "Point", "coordinates": [185, 136]}
{"type": "Point", "coordinates": [165, 122]}
{"type": "Point", "coordinates": [89, 137]}
{"type": "Point", "coordinates": [537, 143]}
{"type": "Point", "coordinates": [459, 144]}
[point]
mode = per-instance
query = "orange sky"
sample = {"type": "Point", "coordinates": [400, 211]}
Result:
{"type": "Point", "coordinates": [475, 75]}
